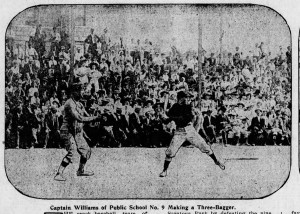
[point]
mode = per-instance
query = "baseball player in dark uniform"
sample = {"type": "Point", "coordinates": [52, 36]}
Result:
{"type": "Point", "coordinates": [75, 116]}
{"type": "Point", "coordinates": [182, 114]}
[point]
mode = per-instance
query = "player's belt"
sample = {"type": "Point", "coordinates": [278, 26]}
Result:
{"type": "Point", "coordinates": [182, 129]}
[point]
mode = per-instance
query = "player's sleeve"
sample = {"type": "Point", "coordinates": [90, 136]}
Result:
{"type": "Point", "coordinates": [172, 114]}
{"type": "Point", "coordinates": [189, 115]}
{"type": "Point", "coordinates": [74, 113]}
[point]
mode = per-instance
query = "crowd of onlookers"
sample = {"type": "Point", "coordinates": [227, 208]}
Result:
{"type": "Point", "coordinates": [245, 99]}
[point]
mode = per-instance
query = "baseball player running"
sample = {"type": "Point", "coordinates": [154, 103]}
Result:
{"type": "Point", "coordinates": [75, 115]}
{"type": "Point", "coordinates": [182, 114]}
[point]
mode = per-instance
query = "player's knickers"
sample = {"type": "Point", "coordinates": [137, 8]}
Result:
{"type": "Point", "coordinates": [187, 134]}
{"type": "Point", "coordinates": [77, 143]}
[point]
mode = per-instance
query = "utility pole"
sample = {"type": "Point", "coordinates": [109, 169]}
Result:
{"type": "Point", "coordinates": [72, 35]}
{"type": "Point", "coordinates": [199, 58]}
{"type": "Point", "coordinates": [221, 35]}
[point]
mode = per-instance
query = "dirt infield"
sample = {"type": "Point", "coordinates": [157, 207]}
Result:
{"type": "Point", "coordinates": [251, 172]}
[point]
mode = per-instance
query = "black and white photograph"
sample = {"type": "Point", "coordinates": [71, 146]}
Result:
{"type": "Point", "coordinates": [148, 101]}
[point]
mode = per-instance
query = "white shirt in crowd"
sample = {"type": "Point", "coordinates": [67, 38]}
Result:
{"type": "Point", "coordinates": [31, 52]}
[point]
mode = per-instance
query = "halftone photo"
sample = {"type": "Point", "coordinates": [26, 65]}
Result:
{"type": "Point", "coordinates": [148, 101]}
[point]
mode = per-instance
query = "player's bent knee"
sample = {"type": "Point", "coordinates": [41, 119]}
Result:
{"type": "Point", "coordinates": [208, 152]}
{"type": "Point", "coordinates": [85, 153]}
{"type": "Point", "coordinates": [205, 149]}
{"type": "Point", "coordinates": [170, 154]}
{"type": "Point", "coordinates": [68, 159]}
{"type": "Point", "coordinates": [88, 155]}
{"type": "Point", "coordinates": [168, 158]}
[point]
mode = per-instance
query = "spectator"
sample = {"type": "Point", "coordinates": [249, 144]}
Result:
{"type": "Point", "coordinates": [134, 84]}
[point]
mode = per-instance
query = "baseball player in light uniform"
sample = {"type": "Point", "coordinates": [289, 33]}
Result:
{"type": "Point", "coordinates": [75, 116]}
{"type": "Point", "coordinates": [182, 114]}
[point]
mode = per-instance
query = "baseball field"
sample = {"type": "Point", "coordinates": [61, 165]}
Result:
{"type": "Point", "coordinates": [251, 172]}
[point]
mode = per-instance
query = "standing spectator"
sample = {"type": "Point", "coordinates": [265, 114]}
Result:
{"type": "Point", "coordinates": [92, 41]}
{"type": "Point", "coordinates": [53, 123]}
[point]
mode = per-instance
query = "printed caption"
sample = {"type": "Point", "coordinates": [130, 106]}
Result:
{"type": "Point", "coordinates": [148, 209]}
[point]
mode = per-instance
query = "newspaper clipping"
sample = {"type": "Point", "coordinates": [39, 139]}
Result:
{"type": "Point", "coordinates": [150, 108]}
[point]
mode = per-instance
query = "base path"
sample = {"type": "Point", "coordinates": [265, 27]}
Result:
{"type": "Point", "coordinates": [251, 172]}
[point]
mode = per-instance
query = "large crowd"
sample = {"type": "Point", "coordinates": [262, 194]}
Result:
{"type": "Point", "coordinates": [245, 97]}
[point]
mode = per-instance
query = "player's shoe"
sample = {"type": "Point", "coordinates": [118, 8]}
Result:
{"type": "Point", "coordinates": [59, 177]}
{"type": "Point", "coordinates": [163, 174]}
{"type": "Point", "coordinates": [222, 166]}
{"type": "Point", "coordinates": [85, 173]}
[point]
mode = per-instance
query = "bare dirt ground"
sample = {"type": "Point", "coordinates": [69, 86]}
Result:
{"type": "Point", "coordinates": [251, 172]}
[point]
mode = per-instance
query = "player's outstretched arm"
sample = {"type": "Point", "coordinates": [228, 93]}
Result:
{"type": "Point", "coordinates": [81, 118]}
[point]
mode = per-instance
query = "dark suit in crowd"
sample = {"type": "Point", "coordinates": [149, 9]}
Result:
{"type": "Point", "coordinates": [209, 125]}
{"type": "Point", "coordinates": [258, 134]}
